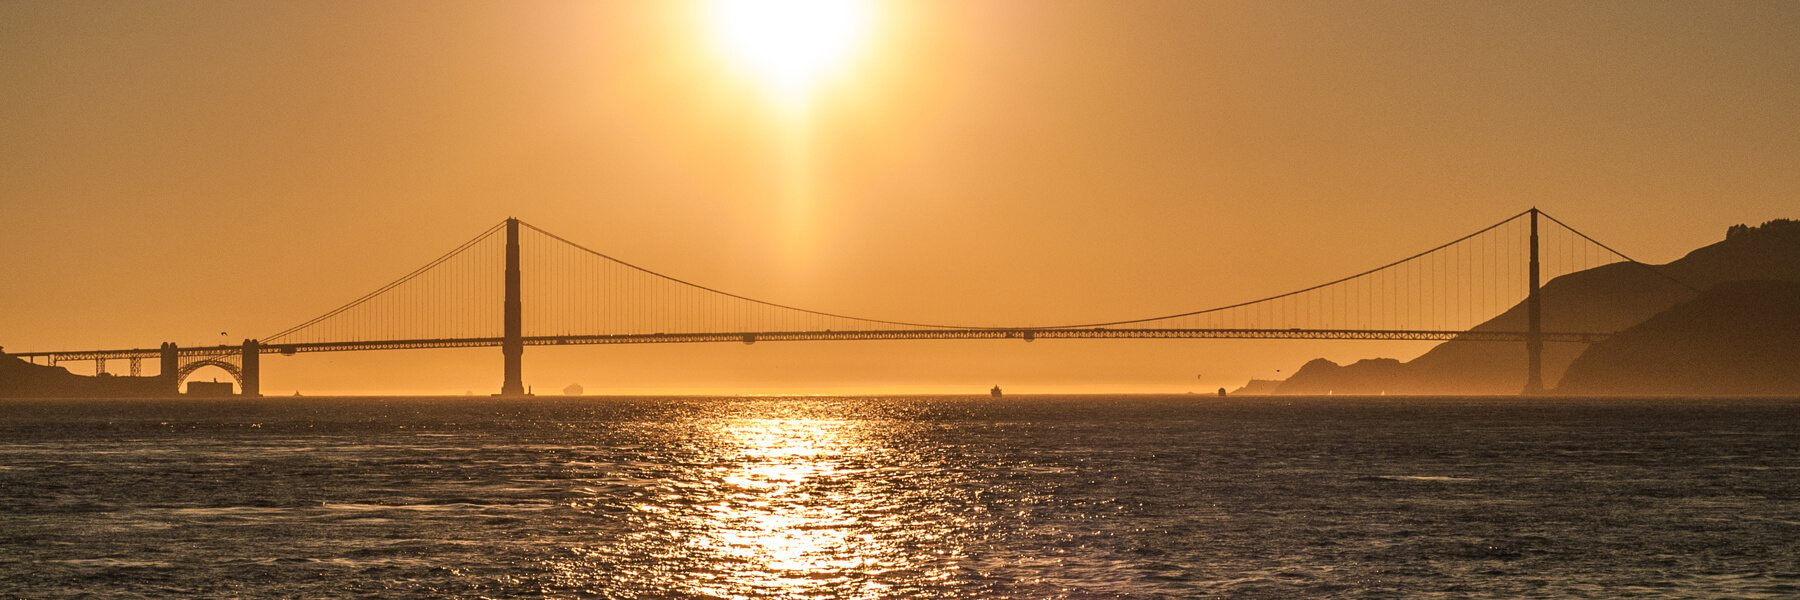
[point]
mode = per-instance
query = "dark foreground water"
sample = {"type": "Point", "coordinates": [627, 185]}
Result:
{"type": "Point", "coordinates": [907, 497]}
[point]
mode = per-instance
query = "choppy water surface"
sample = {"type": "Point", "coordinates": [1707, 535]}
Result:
{"type": "Point", "coordinates": [1101, 497]}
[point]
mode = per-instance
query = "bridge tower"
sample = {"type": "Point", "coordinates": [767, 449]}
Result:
{"type": "Point", "coordinates": [252, 369]}
{"type": "Point", "coordinates": [171, 369]}
{"type": "Point", "coordinates": [1534, 331]}
{"type": "Point", "coordinates": [512, 347]}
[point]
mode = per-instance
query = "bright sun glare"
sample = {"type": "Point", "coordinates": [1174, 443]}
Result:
{"type": "Point", "coordinates": [790, 45]}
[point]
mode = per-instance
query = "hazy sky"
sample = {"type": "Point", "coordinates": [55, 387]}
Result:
{"type": "Point", "coordinates": [173, 170]}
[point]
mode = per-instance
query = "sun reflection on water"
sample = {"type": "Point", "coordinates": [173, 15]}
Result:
{"type": "Point", "coordinates": [771, 500]}
{"type": "Point", "coordinates": [780, 519]}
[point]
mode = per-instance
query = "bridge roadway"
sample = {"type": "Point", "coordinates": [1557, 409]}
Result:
{"type": "Point", "coordinates": [829, 335]}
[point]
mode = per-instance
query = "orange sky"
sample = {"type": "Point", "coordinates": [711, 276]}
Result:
{"type": "Point", "coordinates": [178, 169]}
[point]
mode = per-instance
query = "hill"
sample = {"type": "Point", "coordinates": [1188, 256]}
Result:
{"type": "Point", "coordinates": [20, 379]}
{"type": "Point", "coordinates": [1736, 338]}
{"type": "Point", "coordinates": [1607, 298]}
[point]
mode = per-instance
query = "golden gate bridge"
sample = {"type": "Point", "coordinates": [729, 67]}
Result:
{"type": "Point", "coordinates": [476, 295]}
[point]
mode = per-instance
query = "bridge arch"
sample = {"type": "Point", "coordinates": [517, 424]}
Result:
{"type": "Point", "coordinates": [237, 375]}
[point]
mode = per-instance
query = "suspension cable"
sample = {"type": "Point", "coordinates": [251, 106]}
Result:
{"type": "Point", "coordinates": [1628, 259]}
{"type": "Point", "coordinates": [1299, 291]}
{"type": "Point", "coordinates": [744, 298]}
{"type": "Point", "coordinates": [576, 246]}
{"type": "Point", "coordinates": [396, 283]}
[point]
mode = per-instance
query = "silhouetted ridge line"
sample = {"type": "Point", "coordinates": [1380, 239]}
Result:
{"type": "Point", "coordinates": [1628, 259]}
{"type": "Point", "coordinates": [1608, 299]}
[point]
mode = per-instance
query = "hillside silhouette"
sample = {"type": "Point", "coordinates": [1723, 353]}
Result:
{"type": "Point", "coordinates": [1739, 338]}
{"type": "Point", "coordinates": [1608, 298]}
{"type": "Point", "coordinates": [20, 379]}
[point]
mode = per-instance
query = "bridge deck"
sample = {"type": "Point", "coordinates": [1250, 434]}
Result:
{"type": "Point", "coordinates": [876, 334]}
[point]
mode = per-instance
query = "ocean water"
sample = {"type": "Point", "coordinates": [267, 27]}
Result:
{"type": "Point", "coordinates": [1054, 497]}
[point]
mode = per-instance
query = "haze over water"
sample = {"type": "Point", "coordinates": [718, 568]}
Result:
{"type": "Point", "coordinates": [1063, 497]}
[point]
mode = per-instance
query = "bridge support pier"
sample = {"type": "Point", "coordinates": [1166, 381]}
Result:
{"type": "Point", "coordinates": [512, 347]}
{"type": "Point", "coordinates": [1534, 324]}
{"type": "Point", "coordinates": [252, 369]}
{"type": "Point", "coordinates": [171, 369]}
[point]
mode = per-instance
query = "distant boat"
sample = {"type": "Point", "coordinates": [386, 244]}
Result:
{"type": "Point", "coordinates": [994, 392]}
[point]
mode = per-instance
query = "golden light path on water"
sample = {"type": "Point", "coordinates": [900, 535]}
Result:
{"type": "Point", "coordinates": [780, 501]}
{"type": "Point", "coordinates": [774, 523]}
{"type": "Point", "coordinates": [917, 497]}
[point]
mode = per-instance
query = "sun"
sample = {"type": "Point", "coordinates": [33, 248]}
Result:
{"type": "Point", "coordinates": [790, 46]}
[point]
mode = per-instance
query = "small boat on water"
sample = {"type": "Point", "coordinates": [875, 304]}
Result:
{"type": "Point", "coordinates": [994, 392]}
